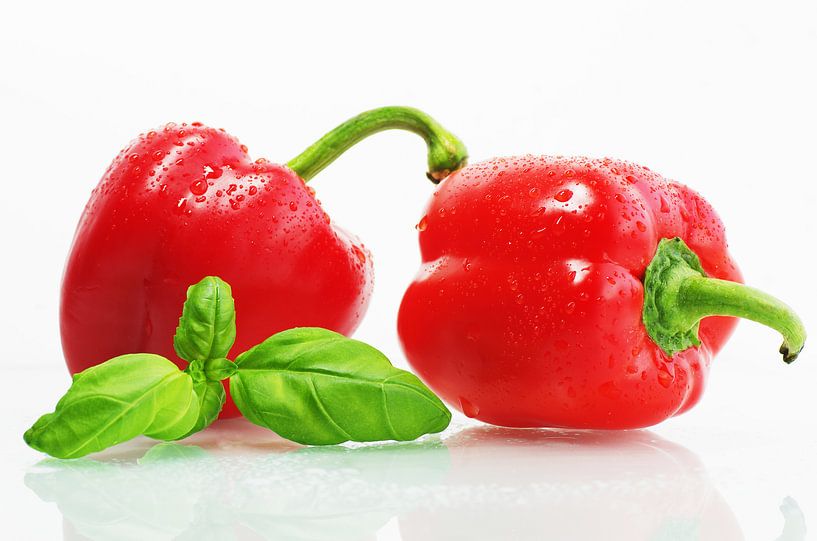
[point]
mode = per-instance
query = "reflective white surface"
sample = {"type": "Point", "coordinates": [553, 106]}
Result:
{"type": "Point", "coordinates": [238, 481]}
{"type": "Point", "coordinates": [478, 482]}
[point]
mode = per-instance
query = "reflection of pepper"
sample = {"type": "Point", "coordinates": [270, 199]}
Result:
{"type": "Point", "coordinates": [535, 305]}
{"type": "Point", "coordinates": [547, 484]}
{"type": "Point", "coordinates": [183, 202]}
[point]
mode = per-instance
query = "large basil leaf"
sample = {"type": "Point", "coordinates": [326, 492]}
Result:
{"type": "Point", "coordinates": [317, 387]}
{"type": "Point", "coordinates": [116, 401]}
{"type": "Point", "coordinates": [207, 327]}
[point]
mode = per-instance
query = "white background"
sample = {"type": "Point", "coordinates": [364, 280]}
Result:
{"type": "Point", "coordinates": [718, 95]}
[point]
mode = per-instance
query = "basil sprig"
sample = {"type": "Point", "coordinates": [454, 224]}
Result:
{"type": "Point", "coordinates": [309, 385]}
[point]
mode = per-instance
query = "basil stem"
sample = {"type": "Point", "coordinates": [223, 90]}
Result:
{"type": "Point", "coordinates": [211, 397]}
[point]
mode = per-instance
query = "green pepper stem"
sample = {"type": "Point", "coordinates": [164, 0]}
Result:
{"type": "Point", "coordinates": [678, 294]}
{"type": "Point", "coordinates": [446, 153]}
{"type": "Point", "coordinates": [700, 297]}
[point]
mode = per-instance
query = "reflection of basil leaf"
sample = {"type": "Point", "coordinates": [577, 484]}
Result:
{"type": "Point", "coordinates": [317, 387]}
{"type": "Point", "coordinates": [207, 327]}
{"type": "Point", "coordinates": [116, 401]}
{"type": "Point", "coordinates": [181, 492]}
{"type": "Point", "coordinates": [171, 451]}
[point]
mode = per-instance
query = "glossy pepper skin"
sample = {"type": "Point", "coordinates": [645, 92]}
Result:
{"type": "Point", "coordinates": [527, 310]}
{"type": "Point", "coordinates": [186, 201]}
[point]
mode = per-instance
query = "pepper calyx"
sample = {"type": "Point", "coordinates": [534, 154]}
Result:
{"type": "Point", "coordinates": [670, 328]}
{"type": "Point", "coordinates": [678, 294]}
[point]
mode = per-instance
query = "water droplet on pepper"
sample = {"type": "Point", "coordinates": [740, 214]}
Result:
{"type": "Point", "coordinates": [212, 172]}
{"type": "Point", "coordinates": [563, 195]}
{"type": "Point", "coordinates": [468, 408]}
{"type": "Point", "coordinates": [359, 254]}
{"type": "Point", "coordinates": [610, 390]}
{"type": "Point", "coordinates": [198, 187]}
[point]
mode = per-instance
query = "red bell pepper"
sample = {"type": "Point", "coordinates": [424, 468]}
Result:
{"type": "Point", "coordinates": [186, 201]}
{"type": "Point", "coordinates": [567, 292]}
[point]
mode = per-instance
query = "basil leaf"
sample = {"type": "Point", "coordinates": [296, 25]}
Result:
{"type": "Point", "coordinates": [207, 327]}
{"type": "Point", "coordinates": [116, 401]}
{"type": "Point", "coordinates": [218, 369]}
{"type": "Point", "coordinates": [317, 387]}
{"type": "Point", "coordinates": [210, 396]}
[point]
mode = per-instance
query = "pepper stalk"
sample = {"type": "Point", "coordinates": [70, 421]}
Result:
{"type": "Point", "coordinates": [678, 294]}
{"type": "Point", "coordinates": [446, 153]}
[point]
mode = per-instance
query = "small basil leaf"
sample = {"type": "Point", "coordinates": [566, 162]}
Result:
{"type": "Point", "coordinates": [116, 401]}
{"type": "Point", "coordinates": [207, 327]}
{"type": "Point", "coordinates": [218, 369]}
{"type": "Point", "coordinates": [210, 396]}
{"type": "Point", "coordinates": [317, 387]}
